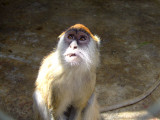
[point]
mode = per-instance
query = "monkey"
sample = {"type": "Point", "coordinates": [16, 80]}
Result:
{"type": "Point", "coordinates": [65, 85]}
{"type": "Point", "coordinates": [64, 89]}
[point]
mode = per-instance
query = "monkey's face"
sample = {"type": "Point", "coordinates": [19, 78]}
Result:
{"type": "Point", "coordinates": [76, 41]}
{"type": "Point", "coordinates": [78, 47]}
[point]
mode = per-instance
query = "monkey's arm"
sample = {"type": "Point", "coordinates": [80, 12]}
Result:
{"type": "Point", "coordinates": [133, 100]}
{"type": "Point", "coordinates": [53, 98]}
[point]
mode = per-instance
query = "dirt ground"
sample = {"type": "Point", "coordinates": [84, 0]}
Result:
{"type": "Point", "coordinates": [130, 50]}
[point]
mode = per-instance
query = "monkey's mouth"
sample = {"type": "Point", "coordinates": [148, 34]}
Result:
{"type": "Point", "coordinates": [72, 58]}
{"type": "Point", "coordinates": [71, 55]}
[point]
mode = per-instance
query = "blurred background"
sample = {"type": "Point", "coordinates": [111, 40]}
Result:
{"type": "Point", "coordinates": [130, 50]}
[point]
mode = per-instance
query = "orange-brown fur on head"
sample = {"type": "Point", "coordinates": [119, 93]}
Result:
{"type": "Point", "coordinates": [84, 28]}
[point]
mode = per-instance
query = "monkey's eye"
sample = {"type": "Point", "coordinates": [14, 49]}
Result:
{"type": "Point", "coordinates": [70, 36]}
{"type": "Point", "coordinates": [82, 38]}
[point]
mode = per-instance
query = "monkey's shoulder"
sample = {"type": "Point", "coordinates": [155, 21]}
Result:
{"type": "Point", "coordinates": [50, 68]}
{"type": "Point", "coordinates": [51, 60]}
{"type": "Point", "coordinates": [48, 58]}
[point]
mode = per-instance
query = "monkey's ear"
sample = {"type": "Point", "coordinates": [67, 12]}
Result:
{"type": "Point", "coordinates": [98, 40]}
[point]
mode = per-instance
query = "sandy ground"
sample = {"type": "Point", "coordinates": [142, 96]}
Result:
{"type": "Point", "coordinates": [130, 50]}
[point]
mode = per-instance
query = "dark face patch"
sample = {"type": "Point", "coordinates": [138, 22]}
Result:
{"type": "Point", "coordinates": [80, 36]}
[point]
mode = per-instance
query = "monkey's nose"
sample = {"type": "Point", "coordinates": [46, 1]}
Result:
{"type": "Point", "coordinates": [73, 45]}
